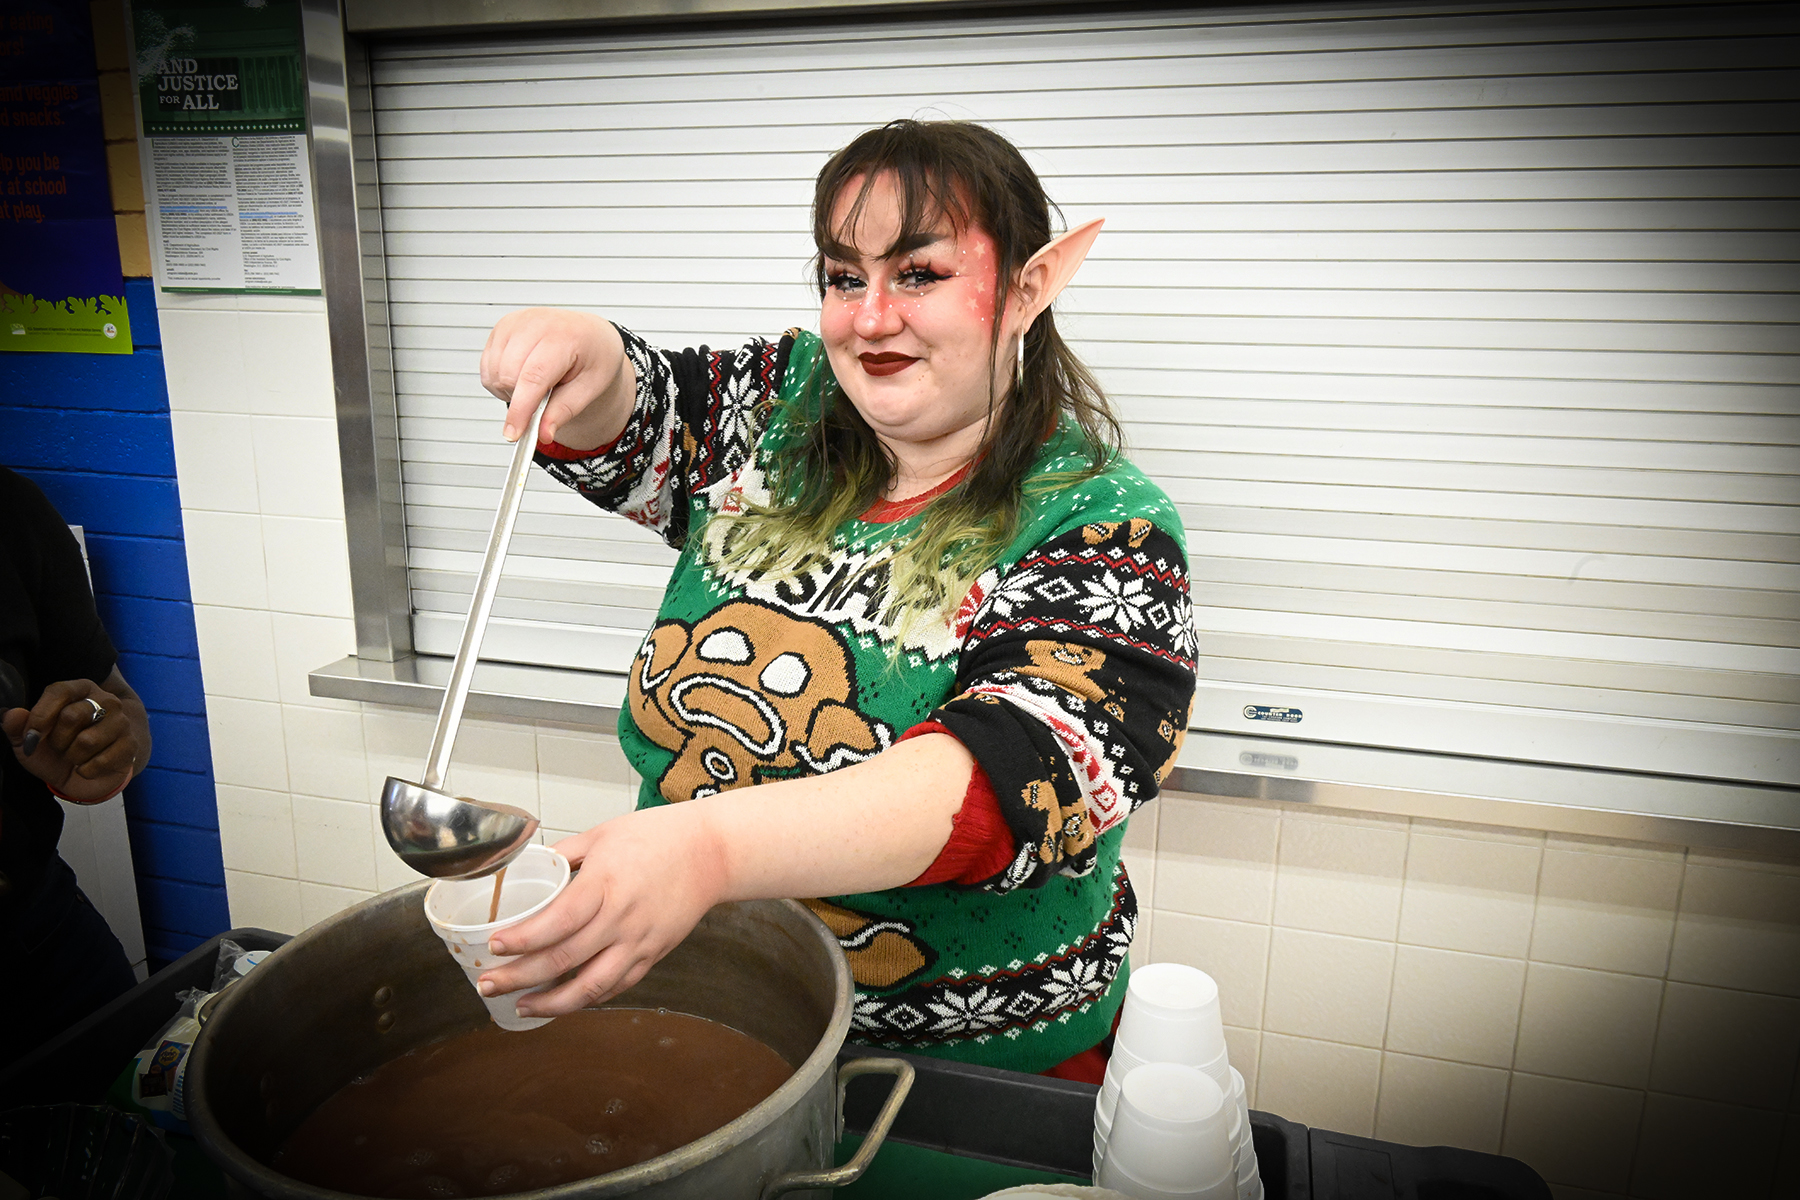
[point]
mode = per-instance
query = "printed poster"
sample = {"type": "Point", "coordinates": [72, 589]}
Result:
{"type": "Point", "coordinates": [222, 98]}
{"type": "Point", "coordinates": [60, 282]}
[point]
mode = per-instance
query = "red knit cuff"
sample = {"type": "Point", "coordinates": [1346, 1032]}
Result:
{"type": "Point", "coordinates": [102, 800]}
{"type": "Point", "coordinates": [550, 448]}
{"type": "Point", "coordinates": [981, 842]}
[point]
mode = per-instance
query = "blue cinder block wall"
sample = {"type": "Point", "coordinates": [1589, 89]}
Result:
{"type": "Point", "coordinates": [92, 430]}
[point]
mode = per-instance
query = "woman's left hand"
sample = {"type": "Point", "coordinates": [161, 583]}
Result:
{"type": "Point", "coordinates": [88, 742]}
{"type": "Point", "coordinates": [646, 880]}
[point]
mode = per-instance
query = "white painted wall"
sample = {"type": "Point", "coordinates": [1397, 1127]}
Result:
{"type": "Point", "coordinates": [1625, 1018]}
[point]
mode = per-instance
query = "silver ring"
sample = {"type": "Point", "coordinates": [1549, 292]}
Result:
{"type": "Point", "coordinates": [99, 712]}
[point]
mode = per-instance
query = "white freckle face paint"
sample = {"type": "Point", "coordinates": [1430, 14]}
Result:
{"type": "Point", "coordinates": [909, 334]}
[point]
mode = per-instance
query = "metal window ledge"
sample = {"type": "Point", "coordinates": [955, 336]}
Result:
{"type": "Point", "coordinates": [1575, 800]}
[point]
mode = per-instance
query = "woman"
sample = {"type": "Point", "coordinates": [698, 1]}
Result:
{"type": "Point", "coordinates": [921, 604]}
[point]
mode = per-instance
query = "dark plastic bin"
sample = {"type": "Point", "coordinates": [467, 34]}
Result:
{"type": "Point", "coordinates": [1046, 1125]}
{"type": "Point", "coordinates": [80, 1062]}
{"type": "Point", "coordinates": [1345, 1167]}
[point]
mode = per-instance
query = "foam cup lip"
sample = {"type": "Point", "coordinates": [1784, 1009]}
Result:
{"type": "Point", "coordinates": [537, 874]}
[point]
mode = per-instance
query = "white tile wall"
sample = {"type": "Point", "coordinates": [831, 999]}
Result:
{"type": "Point", "coordinates": [1340, 875]}
{"type": "Point", "coordinates": [308, 564]}
{"type": "Point", "coordinates": [304, 643]}
{"type": "Point", "coordinates": [1217, 860]}
{"type": "Point", "coordinates": [1582, 1134]}
{"type": "Point", "coordinates": [1717, 1044]}
{"type": "Point", "coordinates": [215, 460]}
{"type": "Point", "coordinates": [1324, 1084]}
{"type": "Point", "coordinates": [1610, 911]}
{"type": "Point", "coordinates": [1470, 891]}
{"type": "Point", "coordinates": [1589, 1025]}
{"type": "Point", "coordinates": [258, 825]}
{"type": "Point", "coordinates": [1739, 926]}
{"type": "Point", "coordinates": [1325, 986]}
{"type": "Point", "coordinates": [1692, 1148]}
{"type": "Point", "coordinates": [225, 559]}
{"type": "Point", "coordinates": [1463, 1007]}
{"type": "Point", "coordinates": [296, 467]}
{"type": "Point", "coordinates": [238, 647]}
{"type": "Point", "coordinates": [1619, 1016]}
{"type": "Point", "coordinates": [1431, 1102]}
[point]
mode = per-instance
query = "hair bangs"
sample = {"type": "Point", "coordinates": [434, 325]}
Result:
{"type": "Point", "coordinates": [930, 196]}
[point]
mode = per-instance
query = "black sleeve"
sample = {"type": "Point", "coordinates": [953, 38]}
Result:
{"type": "Point", "coordinates": [49, 629]}
{"type": "Point", "coordinates": [695, 420]}
{"type": "Point", "coordinates": [1074, 689]}
{"type": "Point", "coordinates": [49, 632]}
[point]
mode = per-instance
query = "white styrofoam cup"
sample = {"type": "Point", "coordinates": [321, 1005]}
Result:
{"type": "Point", "coordinates": [458, 910]}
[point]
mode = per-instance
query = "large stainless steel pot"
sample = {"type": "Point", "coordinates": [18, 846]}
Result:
{"type": "Point", "coordinates": [374, 982]}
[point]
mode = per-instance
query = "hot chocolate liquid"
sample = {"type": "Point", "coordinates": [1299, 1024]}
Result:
{"type": "Point", "coordinates": [490, 1112]}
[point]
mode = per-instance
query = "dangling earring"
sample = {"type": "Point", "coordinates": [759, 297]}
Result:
{"type": "Point", "coordinates": [1021, 374]}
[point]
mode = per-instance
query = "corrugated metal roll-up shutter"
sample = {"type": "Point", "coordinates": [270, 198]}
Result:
{"type": "Point", "coordinates": [1465, 340]}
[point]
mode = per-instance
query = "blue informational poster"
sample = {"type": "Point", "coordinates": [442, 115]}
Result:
{"type": "Point", "coordinates": [60, 283]}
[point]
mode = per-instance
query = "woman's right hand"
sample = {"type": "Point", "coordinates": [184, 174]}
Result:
{"type": "Point", "coordinates": [580, 356]}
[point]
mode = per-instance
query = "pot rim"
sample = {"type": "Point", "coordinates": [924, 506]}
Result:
{"type": "Point", "coordinates": [255, 1174]}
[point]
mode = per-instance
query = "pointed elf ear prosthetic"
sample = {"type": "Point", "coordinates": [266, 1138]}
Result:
{"type": "Point", "coordinates": [1048, 271]}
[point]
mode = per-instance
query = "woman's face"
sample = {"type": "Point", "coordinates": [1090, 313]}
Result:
{"type": "Point", "coordinates": [910, 335]}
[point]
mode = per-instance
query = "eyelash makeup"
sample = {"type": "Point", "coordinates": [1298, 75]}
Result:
{"type": "Point", "coordinates": [912, 277]}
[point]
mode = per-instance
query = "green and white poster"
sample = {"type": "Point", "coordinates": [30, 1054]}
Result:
{"type": "Point", "coordinates": [222, 96]}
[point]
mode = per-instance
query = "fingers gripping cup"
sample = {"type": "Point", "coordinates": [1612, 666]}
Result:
{"type": "Point", "coordinates": [458, 911]}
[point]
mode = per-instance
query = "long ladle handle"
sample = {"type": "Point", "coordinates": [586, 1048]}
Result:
{"type": "Point", "coordinates": [462, 671]}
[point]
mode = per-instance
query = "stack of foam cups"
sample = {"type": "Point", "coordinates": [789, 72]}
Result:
{"type": "Point", "coordinates": [1171, 1018]}
{"type": "Point", "coordinates": [1170, 1137]}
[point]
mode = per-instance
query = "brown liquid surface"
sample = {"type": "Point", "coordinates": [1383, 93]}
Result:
{"type": "Point", "coordinates": [490, 1112]}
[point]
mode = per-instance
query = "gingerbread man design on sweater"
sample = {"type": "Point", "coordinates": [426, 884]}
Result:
{"type": "Point", "coordinates": [747, 694]}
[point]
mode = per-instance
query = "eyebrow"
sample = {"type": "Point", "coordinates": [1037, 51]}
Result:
{"type": "Point", "coordinates": [906, 245]}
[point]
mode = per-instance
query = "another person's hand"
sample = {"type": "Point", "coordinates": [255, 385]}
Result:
{"type": "Point", "coordinates": [580, 356]}
{"type": "Point", "coordinates": [646, 880]}
{"type": "Point", "coordinates": [84, 740]}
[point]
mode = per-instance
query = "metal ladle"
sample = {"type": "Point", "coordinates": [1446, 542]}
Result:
{"type": "Point", "coordinates": [433, 832]}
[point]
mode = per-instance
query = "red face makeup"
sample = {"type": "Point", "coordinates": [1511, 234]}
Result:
{"type": "Point", "coordinates": [909, 335]}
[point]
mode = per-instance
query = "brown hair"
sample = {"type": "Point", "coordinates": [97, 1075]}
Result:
{"type": "Point", "coordinates": [974, 178]}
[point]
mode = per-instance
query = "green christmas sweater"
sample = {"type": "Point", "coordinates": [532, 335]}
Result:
{"type": "Point", "coordinates": [1067, 671]}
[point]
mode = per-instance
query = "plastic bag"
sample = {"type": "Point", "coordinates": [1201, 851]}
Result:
{"type": "Point", "coordinates": [155, 1081]}
{"type": "Point", "coordinates": [160, 1068]}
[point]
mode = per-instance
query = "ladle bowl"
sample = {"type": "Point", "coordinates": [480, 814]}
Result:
{"type": "Point", "coordinates": [448, 837]}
